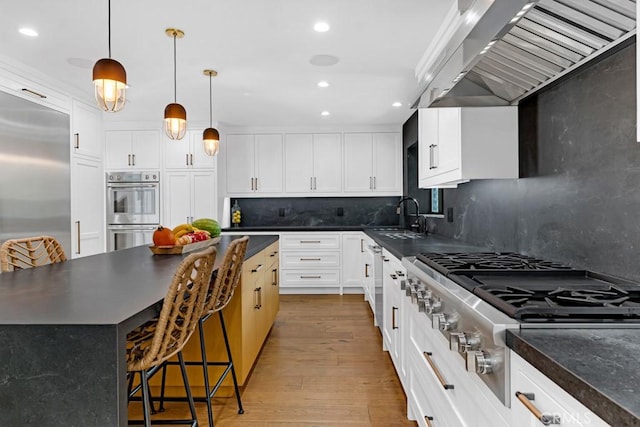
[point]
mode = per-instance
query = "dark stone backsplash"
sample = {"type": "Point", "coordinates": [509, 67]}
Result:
{"type": "Point", "coordinates": [318, 211]}
{"type": "Point", "coordinates": [578, 198]}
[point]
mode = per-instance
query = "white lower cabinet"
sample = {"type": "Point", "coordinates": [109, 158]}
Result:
{"type": "Point", "coordinates": [368, 284]}
{"type": "Point", "coordinates": [394, 313]}
{"type": "Point", "coordinates": [353, 268]}
{"type": "Point", "coordinates": [189, 195]}
{"type": "Point", "coordinates": [552, 402]}
{"type": "Point", "coordinates": [87, 207]}
{"type": "Point", "coordinates": [310, 262]}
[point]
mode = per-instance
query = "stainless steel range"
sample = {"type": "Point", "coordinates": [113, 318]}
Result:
{"type": "Point", "coordinates": [473, 298]}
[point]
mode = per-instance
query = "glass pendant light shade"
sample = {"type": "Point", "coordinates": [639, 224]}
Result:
{"type": "Point", "coordinates": [175, 121]}
{"type": "Point", "coordinates": [211, 141]}
{"type": "Point", "coordinates": [110, 81]}
{"type": "Point", "coordinates": [175, 116]}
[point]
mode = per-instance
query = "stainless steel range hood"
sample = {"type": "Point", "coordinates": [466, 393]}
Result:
{"type": "Point", "coordinates": [516, 47]}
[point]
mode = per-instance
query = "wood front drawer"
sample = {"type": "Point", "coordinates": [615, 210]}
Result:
{"type": "Point", "coordinates": [310, 259]}
{"type": "Point", "coordinates": [311, 278]}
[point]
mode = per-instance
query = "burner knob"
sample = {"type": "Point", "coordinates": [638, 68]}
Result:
{"type": "Point", "coordinates": [480, 362]}
{"type": "Point", "coordinates": [464, 342]}
{"type": "Point", "coordinates": [444, 322]}
{"type": "Point", "coordinates": [433, 307]}
{"type": "Point", "coordinates": [423, 302]}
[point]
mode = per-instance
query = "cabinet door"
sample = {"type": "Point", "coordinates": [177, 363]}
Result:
{"type": "Point", "coordinates": [146, 149]}
{"type": "Point", "coordinates": [327, 163]}
{"type": "Point", "coordinates": [447, 156]}
{"type": "Point", "coordinates": [87, 207]}
{"type": "Point", "coordinates": [176, 152]}
{"type": "Point", "coordinates": [358, 161]}
{"type": "Point", "coordinates": [199, 159]}
{"type": "Point", "coordinates": [387, 166]}
{"type": "Point", "coordinates": [86, 130]}
{"type": "Point", "coordinates": [427, 140]}
{"type": "Point", "coordinates": [268, 163]}
{"type": "Point", "coordinates": [118, 150]}
{"type": "Point", "coordinates": [352, 260]}
{"type": "Point", "coordinates": [177, 200]}
{"type": "Point", "coordinates": [204, 194]}
{"type": "Point", "coordinates": [298, 161]}
{"type": "Point", "coordinates": [240, 161]}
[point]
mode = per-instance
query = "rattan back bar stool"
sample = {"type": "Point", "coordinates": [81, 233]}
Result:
{"type": "Point", "coordinates": [28, 252]}
{"type": "Point", "coordinates": [152, 344]}
{"type": "Point", "coordinates": [219, 296]}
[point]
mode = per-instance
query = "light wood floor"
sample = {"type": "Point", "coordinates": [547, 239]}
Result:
{"type": "Point", "coordinates": [322, 365]}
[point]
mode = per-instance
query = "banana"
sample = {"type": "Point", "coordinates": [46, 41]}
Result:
{"type": "Point", "coordinates": [181, 227]}
{"type": "Point", "coordinates": [181, 233]}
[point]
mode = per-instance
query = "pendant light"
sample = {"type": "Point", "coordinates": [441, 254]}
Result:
{"type": "Point", "coordinates": [110, 80]}
{"type": "Point", "coordinates": [175, 116]}
{"type": "Point", "coordinates": [211, 136]}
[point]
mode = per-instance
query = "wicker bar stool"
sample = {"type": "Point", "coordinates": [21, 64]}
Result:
{"type": "Point", "coordinates": [219, 296]}
{"type": "Point", "coordinates": [150, 345]}
{"type": "Point", "coordinates": [17, 254]}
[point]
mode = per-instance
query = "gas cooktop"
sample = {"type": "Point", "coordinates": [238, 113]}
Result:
{"type": "Point", "coordinates": [535, 290]}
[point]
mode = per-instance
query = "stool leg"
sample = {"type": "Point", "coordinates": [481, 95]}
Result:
{"type": "Point", "coordinates": [205, 368]}
{"type": "Point", "coordinates": [233, 369]}
{"type": "Point", "coordinates": [146, 411]}
{"type": "Point", "coordinates": [164, 377]}
{"type": "Point", "coordinates": [192, 405]}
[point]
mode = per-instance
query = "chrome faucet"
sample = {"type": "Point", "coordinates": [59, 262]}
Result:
{"type": "Point", "coordinates": [416, 224]}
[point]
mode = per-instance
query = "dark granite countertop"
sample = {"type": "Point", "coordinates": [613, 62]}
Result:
{"type": "Point", "coordinates": [404, 247]}
{"type": "Point", "coordinates": [103, 289]}
{"type": "Point", "coordinates": [599, 367]}
{"type": "Point", "coordinates": [310, 228]}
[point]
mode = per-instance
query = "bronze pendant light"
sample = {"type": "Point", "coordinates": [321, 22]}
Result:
{"type": "Point", "coordinates": [175, 116]}
{"type": "Point", "coordinates": [110, 80]}
{"type": "Point", "coordinates": [211, 136]}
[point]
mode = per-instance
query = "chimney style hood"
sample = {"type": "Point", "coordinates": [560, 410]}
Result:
{"type": "Point", "coordinates": [496, 52]}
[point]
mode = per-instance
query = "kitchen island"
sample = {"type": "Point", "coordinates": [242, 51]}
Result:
{"type": "Point", "coordinates": [63, 331]}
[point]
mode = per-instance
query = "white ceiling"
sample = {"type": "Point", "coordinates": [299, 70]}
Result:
{"type": "Point", "coordinates": [261, 49]}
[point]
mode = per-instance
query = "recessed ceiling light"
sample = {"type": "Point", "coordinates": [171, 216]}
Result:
{"type": "Point", "coordinates": [323, 84]}
{"type": "Point", "coordinates": [324, 60]}
{"type": "Point", "coordinates": [30, 32]}
{"type": "Point", "coordinates": [397, 104]}
{"type": "Point", "coordinates": [321, 27]}
{"type": "Point", "coordinates": [325, 113]}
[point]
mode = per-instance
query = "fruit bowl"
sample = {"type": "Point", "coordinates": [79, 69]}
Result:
{"type": "Point", "coordinates": [183, 249]}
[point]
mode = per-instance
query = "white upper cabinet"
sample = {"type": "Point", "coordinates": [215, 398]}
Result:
{"type": "Point", "coordinates": [189, 195]}
{"type": "Point", "coordinates": [187, 153]}
{"type": "Point", "coordinates": [132, 150]}
{"type": "Point", "coordinates": [313, 163]}
{"type": "Point", "coordinates": [254, 164]}
{"type": "Point", "coordinates": [372, 163]}
{"type": "Point", "coordinates": [460, 144]}
{"type": "Point", "coordinates": [86, 130]}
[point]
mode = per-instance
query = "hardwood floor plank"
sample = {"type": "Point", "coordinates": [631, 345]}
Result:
{"type": "Point", "coordinates": [322, 365]}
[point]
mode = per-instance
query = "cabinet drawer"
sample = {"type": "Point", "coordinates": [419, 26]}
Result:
{"type": "Point", "coordinates": [548, 398]}
{"type": "Point", "coordinates": [313, 259]}
{"type": "Point", "coordinates": [310, 241]}
{"type": "Point", "coordinates": [324, 278]}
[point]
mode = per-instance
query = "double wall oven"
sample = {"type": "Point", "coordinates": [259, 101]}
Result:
{"type": "Point", "coordinates": [472, 299]}
{"type": "Point", "coordinates": [133, 208]}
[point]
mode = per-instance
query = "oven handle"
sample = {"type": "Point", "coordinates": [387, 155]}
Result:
{"type": "Point", "coordinates": [131, 185]}
{"type": "Point", "coordinates": [131, 227]}
{"type": "Point", "coordinates": [427, 355]}
{"type": "Point", "coordinates": [546, 419]}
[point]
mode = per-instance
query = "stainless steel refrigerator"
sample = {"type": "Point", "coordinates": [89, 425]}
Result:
{"type": "Point", "coordinates": [35, 194]}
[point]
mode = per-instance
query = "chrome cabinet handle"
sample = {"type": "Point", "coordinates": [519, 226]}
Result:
{"type": "Point", "coordinates": [393, 317]}
{"type": "Point", "coordinates": [311, 277]}
{"type": "Point", "coordinates": [362, 245]}
{"type": "Point", "coordinates": [374, 183]}
{"type": "Point", "coordinates": [366, 270]}
{"type": "Point", "coordinates": [129, 159]}
{"type": "Point", "coordinates": [256, 183]}
{"type": "Point", "coordinates": [33, 92]}
{"type": "Point", "coordinates": [186, 159]}
{"type": "Point", "coordinates": [370, 183]}
{"type": "Point", "coordinates": [443, 382]}
{"type": "Point", "coordinates": [191, 159]}
{"type": "Point", "coordinates": [432, 163]}
{"type": "Point", "coordinates": [545, 419]}
{"type": "Point", "coordinates": [311, 183]}
{"type": "Point", "coordinates": [133, 160]}
{"type": "Point", "coordinates": [315, 183]}
{"type": "Point", "coordinates": [78, 237]}
{"type": "Point", "coordinates": [309, 241]}
{"type": "Point", "coordinates": [77, 138]}
{"type": "Point", "coordinates": [275, 277]}
{"type": "Point", "coordinates": [310, 259]}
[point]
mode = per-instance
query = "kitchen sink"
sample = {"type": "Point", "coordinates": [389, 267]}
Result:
{"type": "Point", "coordinates": [402, 235]}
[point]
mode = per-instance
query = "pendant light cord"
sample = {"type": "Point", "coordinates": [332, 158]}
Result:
{"type": "Point", "coordinates": [210, 103]}
{"type": "Point", "coordinates": [175, 96]}
{"type": "Point", "coordinates": [109, 24]}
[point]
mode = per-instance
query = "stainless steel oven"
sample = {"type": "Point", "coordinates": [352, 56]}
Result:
{"type": "Point", "coordinates": [133, 208]}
